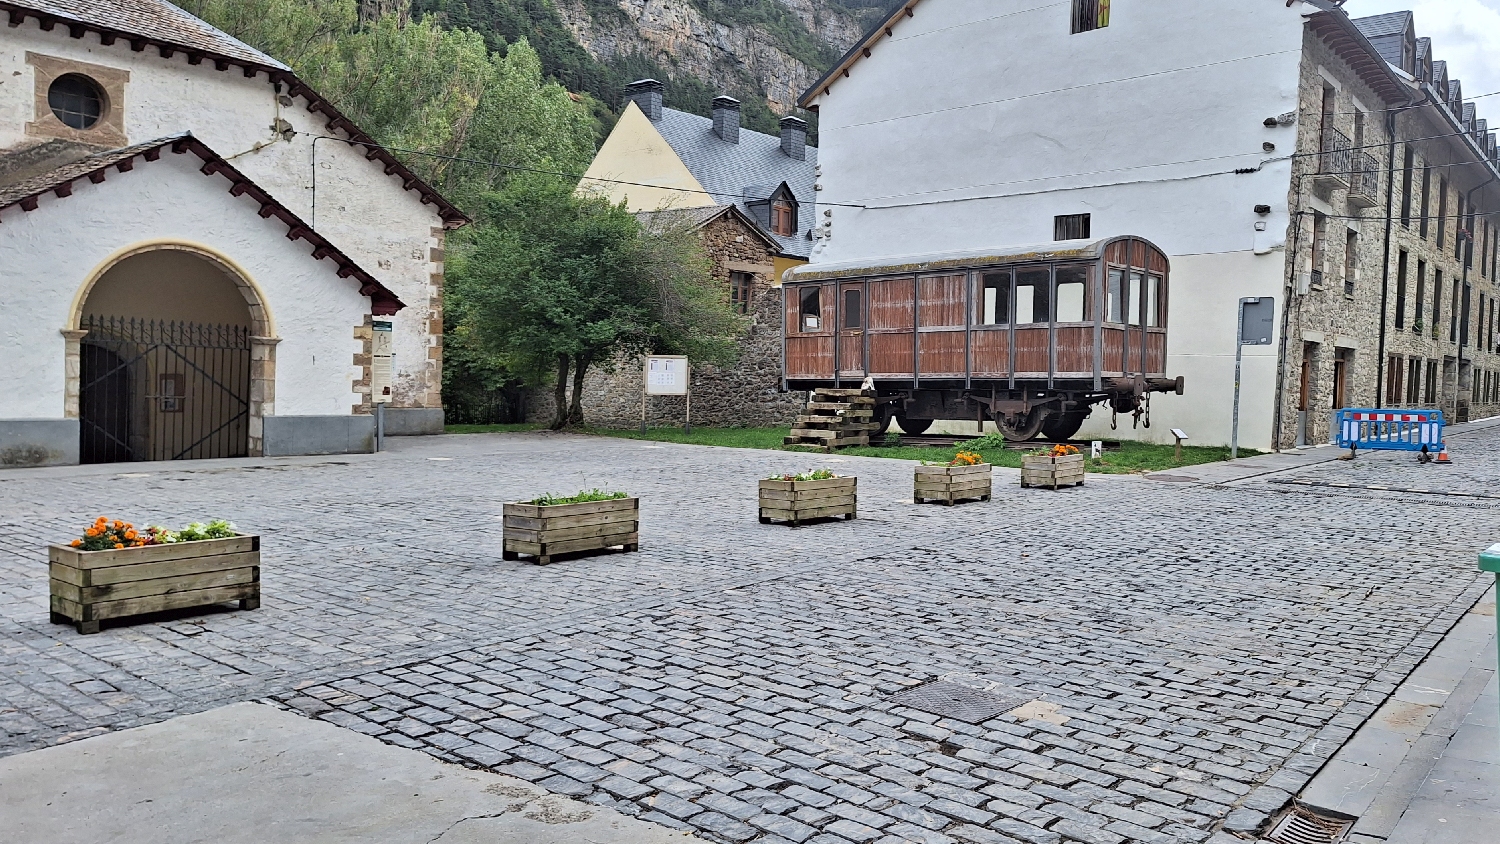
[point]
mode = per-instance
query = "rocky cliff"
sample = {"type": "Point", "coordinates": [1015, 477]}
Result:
{"type": "Point", "coordinates": [765, 52]}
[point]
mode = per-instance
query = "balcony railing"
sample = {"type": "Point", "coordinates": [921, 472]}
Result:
{"type": "Point", "coordinates": [1364, 179]}
{"type": "Point", "coordinates": [1335, 158]}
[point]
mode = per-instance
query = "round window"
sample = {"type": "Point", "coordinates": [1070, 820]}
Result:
{"type": "Point", "coordinates": [76, 100]}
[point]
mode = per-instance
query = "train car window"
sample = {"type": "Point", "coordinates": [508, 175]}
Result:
{"type": "Point", "coordinates": [1072, 287]}
{"type": "Point", "coordinates": [812, 307]}
{"type": "Point", "coordinates": [1153, 302]}
{"type": "Point", "coordinates": [996, 299]}
{"type": "Point", "coordinates": [853, 308]}
{"type": "Point", "coordinates": [1116, 296]}
{"type": "Point", "coordinates": [1033, 299]}
{"type": "Point", "coordinates": [1133, 298]}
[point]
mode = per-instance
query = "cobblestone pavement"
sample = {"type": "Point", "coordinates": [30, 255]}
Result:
{"type": "Point", "coordinates": [1197, 652]}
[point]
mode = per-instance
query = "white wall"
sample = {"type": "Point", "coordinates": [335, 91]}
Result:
{"type": "Point", "coordinates": [367, 214]}
{"type": "Point", "coordinates": [50, 252]}
{"type": "Point", "coordinates": [981, 120]}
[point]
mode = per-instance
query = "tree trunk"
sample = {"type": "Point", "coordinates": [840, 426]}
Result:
{"type": "Point", "coordinates": [580, 369]}
{"type": "Point", "coordinates": [560, 394]}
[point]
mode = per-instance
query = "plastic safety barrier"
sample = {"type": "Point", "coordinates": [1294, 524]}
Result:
{"type": "Point", "coordinates": [1391, 430]}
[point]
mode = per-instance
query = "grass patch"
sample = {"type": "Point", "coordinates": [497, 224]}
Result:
{"type": "Point", "coordinates": [490, 429]}
{"type": "Point", "coordinates": [1131, 458]}
{"type": "Point", "coordinates": [765, 438]}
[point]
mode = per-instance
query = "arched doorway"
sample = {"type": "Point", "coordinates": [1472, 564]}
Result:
{"type": "Point", "coordinates": [168, 336]}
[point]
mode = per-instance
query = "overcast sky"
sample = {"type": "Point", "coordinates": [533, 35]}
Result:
{"type": "Point", "coordinates": [1464, 33]}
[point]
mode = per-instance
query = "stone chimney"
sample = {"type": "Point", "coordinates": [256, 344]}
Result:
{"type": "Point", "coordinates": [727, 119]}
{"type": "Point", "coordinates": [647, 94]}
{"type": "Point", "coordinates": [794, 137]}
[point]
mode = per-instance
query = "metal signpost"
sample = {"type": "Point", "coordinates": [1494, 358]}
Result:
{"type": "Point", "coordinates": [381, 355]}
{"type": "Point", "coordinates": [1257, 327]}
{"type": "Point", "coordinates": [667, 375]}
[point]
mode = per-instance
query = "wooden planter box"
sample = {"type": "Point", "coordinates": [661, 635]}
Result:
{"type": "Point", "coordinates": [544, 531]}
{"type": "Point", "coordinates": [90, 586]}
{"type": "Point", "coordinates": [951, 484]}
{"type": "Point", "coordinates": [798, 501]}
{"type": "Point", "coordinates": [1041, 470]}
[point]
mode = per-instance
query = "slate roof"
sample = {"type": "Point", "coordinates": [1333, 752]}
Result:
{"type": "Point", "coordinates": [727, 170]}
{"type": "Point", "coordinates": [1391, 23]}
{"type": "Point", "coordinates": [697, 218]}
{"type": "Point", "coordinates": [95, 168]}
{"type": "Point", "coordinates": [155, 19]}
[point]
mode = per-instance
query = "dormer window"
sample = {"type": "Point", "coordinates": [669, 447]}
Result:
{"type": "Point", "coordinates": [783, 218]}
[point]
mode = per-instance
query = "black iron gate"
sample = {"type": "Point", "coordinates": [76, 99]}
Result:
{"type": "Point", "coordinates": [154, 390]}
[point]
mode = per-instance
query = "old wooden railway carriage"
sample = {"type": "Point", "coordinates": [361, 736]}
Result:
{"type": "Point", "coordinates": [1031, 337]}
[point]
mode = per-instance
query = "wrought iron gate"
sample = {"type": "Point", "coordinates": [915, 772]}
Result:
{"type": "Point", "coordinates": [155, 390]}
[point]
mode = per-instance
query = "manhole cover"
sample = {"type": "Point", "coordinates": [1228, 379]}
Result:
{"type": "Point", "coordinates": [1304, 826]}
{"type": "Point", "coordinates": [1182, 479]}
{"type": "Point", "coordinates": [962, 703]}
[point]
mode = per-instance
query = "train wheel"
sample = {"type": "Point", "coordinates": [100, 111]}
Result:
{"type": "Point", "coordinates": [883, 416]}
{"type": "Point", "coordinates": [1020, 427]}
{"type": "Point", "coordinates": [1062, 427]}
{"type": "Point", "coordinates": [915, 427]}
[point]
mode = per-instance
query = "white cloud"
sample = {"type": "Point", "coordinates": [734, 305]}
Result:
{"type": "Point", "coordinates": [1464, 33]}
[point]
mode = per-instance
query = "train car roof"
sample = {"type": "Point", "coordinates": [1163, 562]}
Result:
{"type": "Point", "coordinates": [1057, 250]}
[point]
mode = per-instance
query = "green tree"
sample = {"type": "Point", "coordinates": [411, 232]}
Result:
{"type": "Point", "coordinates": [555, 284]}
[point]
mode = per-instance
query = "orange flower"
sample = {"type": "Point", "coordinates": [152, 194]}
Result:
{"type": "Point", "coordinates": [77, 542]}
{"type": "Point", "coordinates": [101, 520]}
{"type": "Point", "coordinates": [119, 524]}
{"type": "Point", "coordinates": [92, 532]}
{"type": "Point", "coordinates": [131, 534]}
{"type": "Point", "coordinates": [119, 545]}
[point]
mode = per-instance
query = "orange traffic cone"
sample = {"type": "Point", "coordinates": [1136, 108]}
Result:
{"type": "Point", "coordinates": [1442, 459]}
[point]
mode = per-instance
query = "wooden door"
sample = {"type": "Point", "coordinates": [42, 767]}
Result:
{"type": "Point", "coordinates": [1340, 383]}
{"type": "Point", "coordinates": [851, 330]}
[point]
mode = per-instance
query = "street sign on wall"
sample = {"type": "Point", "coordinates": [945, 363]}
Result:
{"type": "Point", "coordinates": [1257, 321]}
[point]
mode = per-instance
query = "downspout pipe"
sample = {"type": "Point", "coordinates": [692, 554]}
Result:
{"type": "Point", "coordinates": [1390, 208]}
{"type": "Point", "coordinates": [1466, 254]}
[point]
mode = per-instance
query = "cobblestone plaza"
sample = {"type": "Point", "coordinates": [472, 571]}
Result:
{"type": "Point", "coordinates": [1197, 651]}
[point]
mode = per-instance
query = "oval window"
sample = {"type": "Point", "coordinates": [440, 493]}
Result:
{"type": "Point", "coordinates": [76, 100]}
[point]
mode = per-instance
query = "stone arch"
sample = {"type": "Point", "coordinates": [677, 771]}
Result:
{"type": "Point", "coordinates": [257, 317]}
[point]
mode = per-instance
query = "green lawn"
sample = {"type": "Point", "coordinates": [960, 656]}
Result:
{"type": "Point", "coordinates": [1130, 458]}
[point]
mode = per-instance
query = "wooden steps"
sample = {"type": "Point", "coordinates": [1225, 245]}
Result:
{"type": "Point", "coordinates": [835, 418]}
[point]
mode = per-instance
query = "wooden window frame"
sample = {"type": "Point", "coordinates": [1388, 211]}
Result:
{"type": "Point", "coordinates": [783, 217]}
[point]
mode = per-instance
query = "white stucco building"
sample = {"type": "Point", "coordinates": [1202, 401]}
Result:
{"type": "Point", "coordinates": [196, 249]}
{"type": "Point", "coordinates": [961, 125]}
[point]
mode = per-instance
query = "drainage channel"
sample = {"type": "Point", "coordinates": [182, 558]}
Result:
{"type": "Point", "coordinates": [1379, 488]}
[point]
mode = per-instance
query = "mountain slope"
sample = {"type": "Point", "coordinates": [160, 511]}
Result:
{"type": "Point", "coordinates": [764, 52]}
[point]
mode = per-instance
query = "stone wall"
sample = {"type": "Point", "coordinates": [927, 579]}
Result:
{"type": "Point", "coordinates": [744, 394]}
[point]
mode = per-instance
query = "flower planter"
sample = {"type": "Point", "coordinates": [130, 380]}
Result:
{"type": "Point", "coordinates": [799, 501]}
{"type": "Point", "coordinates": [543, 531]}
{"type": "Point", "coordinates": [1046, 470]}
{"type": "Point", "coordinates": [91, 586]}
{"type": "Point", "coordinates": [951, 484]}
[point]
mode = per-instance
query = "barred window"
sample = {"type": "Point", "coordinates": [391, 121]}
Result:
{"type": "Point", "coordinates": [1089, 15]}
{"type": "Point", "coordinates": [76, 100]}
{"type": "Point", "coordinates": [1071, 226]}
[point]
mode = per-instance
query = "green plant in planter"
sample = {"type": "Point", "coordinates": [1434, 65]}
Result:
{"type": "Point", "coordinates": [550, 500]}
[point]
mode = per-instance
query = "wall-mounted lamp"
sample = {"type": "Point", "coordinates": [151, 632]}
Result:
{"type": "Point", "coordinates": [1263, 210]}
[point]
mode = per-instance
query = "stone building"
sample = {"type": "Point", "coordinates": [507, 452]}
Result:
{"type": "Point", "coordinates": [744, 394]}
{"type": "Point", "coordinates": [1394, 239]}
{"type": "Point", "coordinates": [753, 198]}
{"type": "Point", "coordinates": [184, 270]}
{"type": "Point", "coordinates": [1201, 127]}
{"type": "Point", "coordinates": [659, 158]}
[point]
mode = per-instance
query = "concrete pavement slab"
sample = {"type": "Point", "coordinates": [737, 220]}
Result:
{"type": "Point", "coordinates": [254, 773]}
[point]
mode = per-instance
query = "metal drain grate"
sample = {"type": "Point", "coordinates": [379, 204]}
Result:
{"type": "Point", "coordinates": [1303, 826]}
{"type": "Point", "coordinates": [952, 700]}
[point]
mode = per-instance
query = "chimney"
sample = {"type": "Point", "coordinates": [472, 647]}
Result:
{"type": "Point", "coordinates": [727, 119]}
{"type": "Point", "coordinates": [646, 93]}
{"type": "Point", "coordinates": [794, 137]}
